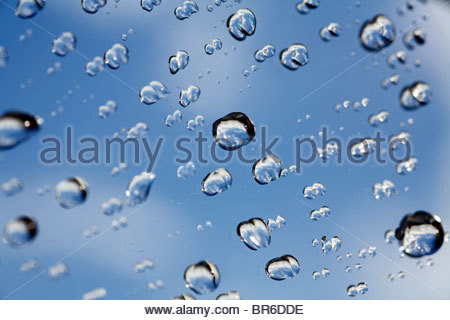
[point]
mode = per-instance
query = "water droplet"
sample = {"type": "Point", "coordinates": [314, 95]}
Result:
{"type": "Point", "coordinates": [233, 131]}
{"type": "Point", "coordinates": [358, 266]}
{"type": "Point", "coordinates": [389, 236]}
{"type": "Point", "coordinates": [295, 56]}
{"type": "Point", "coordinates": [65, 43]}
{"type": "Point", "coordinates": [407, 166]}
{"type": "Point", "coordinates": [420, 234]}
{"type": "Point", "coordinates": [333, 29]}
{"type": "Point", "coordinates": [377, 33]}
{"type": "Point", "coordinates": [16, 127]}
{"type": "Point", "coordinates": [92, 6]}
{"type": "Point", "coordinates": [20, 231]}
{"type": "Point", "coordinates": [29, 8]}
{"type": "Point", "coordinates": [71, 192]}
{"type": "Point", "coordinates": [116, 56]}
{"type": "Point", "coordinates": [416, 95]}
{"type": "Point", "coordinates": [178, 61]}
{"type": "Point", "coordinates": [401, 275]}
{"type": "Point", "coordinates": [325, 272]}
{"type": "Point", "coordinates": [144, 266]}
{"type": "Point", "coordinates": [96, 294]}
{"type": "Point", "coordinates": [311, 192]}
{"type": "Point", "coordinates": [316, 275]}
{"type": "Point", "coordinates": [383, 190]}
{"type": "Point", "coordinates": [191, 94]}
{"type": "Point", "coordinates": [316, 214]}
{"type": "Point", "coordinates": [304, 6]}
{"type": "Point", "coordinates": [379, 118]}
{"type": "Point", "coordinates": [12, 187]}
{"type": "Point", "coordinates": [416, 37]}
{"type": "Point", "coordinates": [282, 268]}
{"type": "Point", "coordinates": [315, 242]}
{"type": "Point", "coordinates": [139, 188]}
{"type": "Point", "coordinates": [154, 92]}
{"type": "Point", "coordinates": [58, 271]}
{"type": "Point", "coordinates": [216, 182]}
{"type": "Point", "coordinates": [268, 51]}
{"type": "Point", "coordinates": [95, 66]}
{"type": "Point", "coordinates": [110, 107]}
{"type": "Point", "coordinates": [148, 5]}
{"type": "Point", "coordinates": [112, 206]}
{"type": "Point", "coordinates": [363, 147]}
{"type": "Point", "coordinates": [267, 169]}
{"type": "Point", "coordinates": [29, 265]}
{"type": "Point", "coordinates": [186, 170]}
{"type": "Point", "coordinates": [3, 56]}
{"type": "Point", "coordinates": [140, 129]}
{"type": "Point", "coordinates": [230, 295]}
{"type": "Point", "coordinates": [187, 9]}
{"type": "Point", "coordinates": [254, 233]}
{"type": "Point", "coordinates": [202, 277]}
{"type": "Point", "coordinates": [171, 119]}
{"type": "Point", "coordinates": [242, 24]}
{"type": "Point", "coordinates": [348, 269]}
{"type": "Point", "coordinates": [362, 288]}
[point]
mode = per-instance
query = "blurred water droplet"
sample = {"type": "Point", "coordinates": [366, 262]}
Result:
{"type": "Point", "coordinates": [230, 295]}
{"type": "Point", "coordinates": [112, 206]}
{"type": "Point", "coordinates": [29, 265]}
{"type": "Point", "coordinates": [96, 294]}
{"type": "Point", "coordinates": [20, 231]}
{"type": "Point", "coordinates": [95, 66]}
{"type": "Point", "coordinates": [144, 266]}
{"type": "Point", "coordinates": [12, 187]}
{"type": "Point", "coordinates": [58, 271]}
{"type": "Point", "coordinates": [383, 190]}
{"type": "Point", "coordinates": [379, 118]}
{"type": "Point", "coordinates": [110, 107]}
{"type": "Point", "coordinates": [16, 127]}
{"type": "Point", "coordinates": [65, 43]}
{"type": "Point", "coordinates": [28, 8]}
{"type": "Point", "coordinates": [389, 236]}
{"type": "Point", "coordinates": [3, 57]}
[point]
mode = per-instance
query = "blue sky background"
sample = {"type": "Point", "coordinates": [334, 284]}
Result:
{"type": "Point", "coordinates": [273, 100]}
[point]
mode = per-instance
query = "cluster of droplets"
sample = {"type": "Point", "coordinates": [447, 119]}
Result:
{"type": "Point", "coordinates": [325, 273]}
{"type": "Point", "coordinates": [363, 148]}
{"type": "Point", "coordinates": [315, 190]}
{"type": "Point", "coordinates": [394, 59]}
{"type": "Point", "coordinates": [95, 66]}
{"type": "Point", "coordinates": [356, 106]}
{"type": "Point", "coordinates": [416, 95]}
{"type": "Point", "coordinates": [216, 44]}
{"type": "Point", "coordinates": [417, 37]}
{"type": "Point", "coordinates": [187, 9]}
{"type": "Point", "coordinates": [111, 206]}
{"type": "Point", "coordinates": [122, 167]}
{"type": "Point", "coordinates": [144, 266]}
{"type": "Point", "coordinates": [305, 5]}
{"type": "Point", "coordinates": [360, 288]}
{"type": "Point", "coordinates": [208, 225]}
{"type": "Point", "coordinates": [140, 129]}
{"type": "Point", "coordinates": [377, 33]}
{"type": "Point", "coordinates": [178, 61]}
{"type": "Point", "coordinates": [153, 92]}
{"type": "Point", "coordinates": [407, 166]}
{"type": "Point", "coordinates": [12, 187]}
{"type": "Point", "coordinates": [63, 44]}
{"type": "Point", "coordinates": [268, 51]}
{"type": "Point", "coordinates": [193, 124]}
{"type": "Point", "coordinates": [331, 149]}
{"type": "Point", "coordinates": [121, 222]}
{"type": "Point", "coordinates": [386, 83]}
{"type": "Point", "coordinates": [328, 245]}
{"type": "Point", "coordinates": [317, 214]}
{"type": "Point", "coordinates": [379, 118]}
{"type": "Point", "coordinates": [173, 118]}
{"type": "Point", "coordinates": [188, 96]}
{"type": "Point", "coordinates": [277, 223]}
{"type": "Point", "coordinates": [116, 56]}
{"type": "Point", "coordinates": [110, 107]}
{"type": "Point", "coordinates": [384, 189]}
{"type": "Point", "coordinates": [332, 30]}
{"type": "Point", "coordinates": [92, 6]}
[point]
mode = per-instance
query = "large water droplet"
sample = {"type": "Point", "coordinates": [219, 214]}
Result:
{"type": "Point", "coordinates": [282, 268]}
{"type": "Point", "coordinates": [187, 9]}
{"type": "Point", "coordinates": [71, 192]}
{"type": "Point", "coordinates": [154, 92]}
{"type": "Point", "coordinates": [297, 55]}
{"type": "Point", "coordinates": [254, 233]}
{"type": "Point", "coordinates": [377, 33]}
{"type": "Point", "coordinates": [178, 61]}
{"type": "Point", "coordinates": [139, 188]}
{"type": "Point", "coordinates": [267, 169]}
{"type": "Point", "coordinates": [16, 127]}
{"type": "Point", "coordinates": [416, 95]}
{"type": "Point", "coordinates": [191, 94]}
{"type": "Point", "coordinates": [202, 277]}
{"type": "Point", "coordinates": [116, 56]}
{"type": "Point", "coordinates": [216, 182]}
{"type": "Point", "coordinates": [92, 6]}
{"type": "Point", "coordinates": [420, 234]}
{"type": "Point", "coordinates": [242, 24]}
{"type": "Point", "coordinates": [20, 231]}
{"type": "Point", "coordinates": [233, 131]}
{"type": "Point", "coordinates": [29, 8]}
